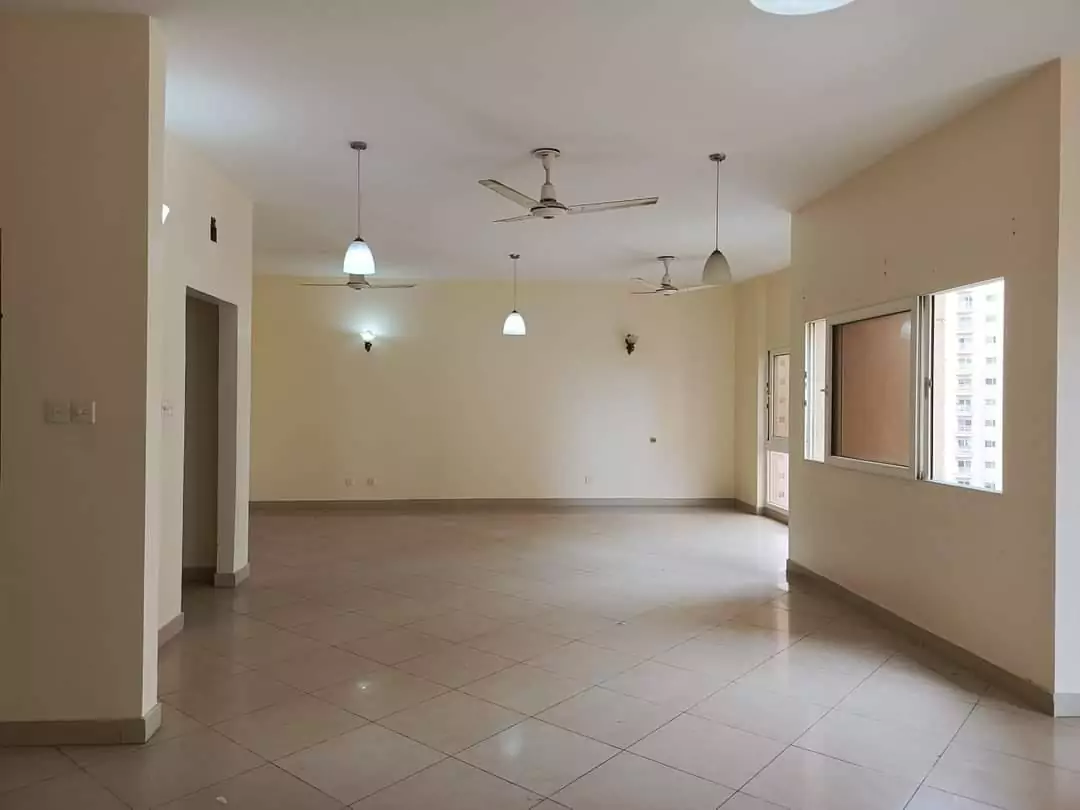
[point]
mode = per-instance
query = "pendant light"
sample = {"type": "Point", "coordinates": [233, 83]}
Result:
{"type": "Point", "coordinates": [717, 270]}
{"type": "Point", "coordinates": [514, 323]}
{"type": "Point", "coordinates": [359, 260]}
{"type": "Point", "coordinates": [798, 7]}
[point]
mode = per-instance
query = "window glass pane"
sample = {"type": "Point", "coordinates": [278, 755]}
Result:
{"type": "Point", "coordinates": [780, 394]}
{"type": "Point", "coordinates": [778, 480]}
{"type": "Point", "coordinates": [966, 412]}
{"type": "Point", "coordinates": [872, 390]}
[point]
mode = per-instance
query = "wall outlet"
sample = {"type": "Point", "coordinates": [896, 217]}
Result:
{"type": "Point", "coordinates": [588, 479]}
{"type": "Point", "coordinates": [371, 482]}
{"type": "Point", "coordinates": [348, 481]}
{"type": "Point", "coordinates": [652, 440]}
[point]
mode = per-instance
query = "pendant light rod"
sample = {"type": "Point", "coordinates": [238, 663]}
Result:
{"type": "Point", "coordinates": [358, 147]}
{"type": "Point", "coordinates": [514, 257]}
{"type": "Point", "coordinates": [717, 158]}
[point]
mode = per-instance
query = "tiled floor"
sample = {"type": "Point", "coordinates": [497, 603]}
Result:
{"type": "Point", "coordinates": [604, 660]}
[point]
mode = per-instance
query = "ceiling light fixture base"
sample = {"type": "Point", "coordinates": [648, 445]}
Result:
{"type": "Point", "coordinates": [359, 146]}
{"type": "Point", "coordinates": [545, 152]}
{"type": "Point", "coordinates": [718, 157]}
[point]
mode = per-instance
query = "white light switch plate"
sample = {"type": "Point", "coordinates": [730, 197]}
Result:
{"type": "Point", "coordinates": [57, 411]}
{"type": "Point", "coordinates": [83, 411]}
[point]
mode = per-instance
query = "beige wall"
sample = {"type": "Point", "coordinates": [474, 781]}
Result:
{"type": "Point", "coordinates": [195, 190]}
{"type": "Point", "coordinates": [974, 200]}
{"type": "Point", "coordinates": [201, 435]}
{"type": "Point", "coordinates": [762, 324]}
{"type": "Point", "coordinates": [78, 516]}
{"type": "Point", "coordinates": [445, 406]}
{"type": "Point", "coordinates": [1068, 369]}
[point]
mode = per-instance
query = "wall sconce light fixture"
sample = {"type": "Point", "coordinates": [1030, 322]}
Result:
{"type": "Point", "coordinates": [631, 343]}
{"type": "Point", "coordinates": [369, 339]}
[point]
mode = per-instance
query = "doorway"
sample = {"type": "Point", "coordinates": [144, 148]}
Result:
{"type": "Point", "coordinates": [201, 440]}
{"type": "Point", "coordinates": [778, 421]}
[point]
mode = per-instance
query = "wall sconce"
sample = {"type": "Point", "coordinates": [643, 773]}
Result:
{"type": "Point", "coordinates": [631, 343]}
{"type": "Point", "coordinates": [369, 339]}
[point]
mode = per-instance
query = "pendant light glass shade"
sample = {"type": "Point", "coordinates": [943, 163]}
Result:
{"type": "Point", "coordinates": [514, 323]}
{"type": "Point", "coordinates": [717, 270]}
{"type": "Point", "coordinates": [799, 7]}
{"type": "Point", "coordinates": [359, 260]}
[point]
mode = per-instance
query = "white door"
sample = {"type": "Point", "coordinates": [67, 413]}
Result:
{"type": "Point", "coordinates": [778, 413]}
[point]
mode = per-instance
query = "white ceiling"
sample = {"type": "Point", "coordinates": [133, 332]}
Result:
{"type": "Point", "coordinates": [635, 93]}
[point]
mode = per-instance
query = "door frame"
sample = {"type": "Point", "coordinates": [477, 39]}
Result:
{"type": "Point", "coordinates": [773, 443]}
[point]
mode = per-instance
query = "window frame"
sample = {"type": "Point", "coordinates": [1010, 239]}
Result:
{"type": "Point", "coordinates": [916, 416]}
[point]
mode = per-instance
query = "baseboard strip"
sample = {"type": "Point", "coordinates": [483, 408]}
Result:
{"type": "Point", "coordinates": [1022, 689]}
{"type": "Point", "coordinates": [748, 508]}
{"type": "Point", "coordinates": [81, 732]}
{"type": "Point", "coordinates": [170, 630]}
{"type": "Point", "coordinates": [487, 504]}
{"type": "Point", "coordinates": [231, 579]}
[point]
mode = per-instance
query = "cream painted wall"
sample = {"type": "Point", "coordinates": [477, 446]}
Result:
{"type": "Point", "coordinates": [78, 516]}
{"type": "Point", "coordinates": [974, 200]}
{"type": "Point", "coordinates": [763, 320]}
{"type": "Point", "coordinates": [445, 406]}
{"type": "Point", "coordinates": [1067, 624]}
{"type": "Point", "coordinates": [195, 190]}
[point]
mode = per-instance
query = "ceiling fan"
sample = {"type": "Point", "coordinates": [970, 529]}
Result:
{"type": "Point", "coordinates": [548, 206]}
{"type": "Point", "coordinates": [358, 282]}
{"type": "Point", "coordinates": [666, 287]}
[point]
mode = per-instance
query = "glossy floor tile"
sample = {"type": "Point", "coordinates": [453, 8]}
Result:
{"type": "Point", "coordinates": [582, 660]}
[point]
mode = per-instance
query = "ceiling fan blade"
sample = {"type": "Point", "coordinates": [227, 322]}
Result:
{"type": "Point", "coordinates": [389, 286]}
{"type": "Point", "coordinates": [314, 284]}
{"type": "Point", "coordinates": [647, 292]}
{"type": "Point", "coordinates": [522, 218]}
{"type": "Point", "coordinates": [614, 205]}
{"type": "Point", "coordinates": [644, 281]}
{"type": "Point", "coordinates": [524, 200]}
{"type": "Point", "coordinates": [699, 288]}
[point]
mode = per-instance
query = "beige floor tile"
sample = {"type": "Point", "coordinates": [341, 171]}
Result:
{"type": "Point", "coordinates": [320, 669]}
{"type": "Point", "coordinates": [569, 623]}
{"type": "Point", "coordinates": [803, 780]}
{"type": "Point", "coordinates": [355, 765]}
{"type": "Point", "coordinates": [873, 744]}
{"type": "Point", "coordinates": [225, 698]}
{"type": "Point", "coordinates": [265, 788]}
{"type": "Point", "coordinates": [937, 715]}
{"type": "Point", "coordinates": [452, 722]}
{"type": "Point", "coordinates": [378, 694]}
{"type": "Point", "coordinates": [24, 766]}
{"type": "Point", "coordinates": [288, 727]}
{"type": "Point", "coordinates": [629, 782]}
{"type": "Point", "coordinates": [826, 686]}
{"type": "Point", "coordinates": [342, 628]}
{"type": "Point", "coordinates": [1024, 734]}
{"type": "Point", "coordinates": [743, 801]}
{"type": "Point", "coordinates": [518, 641]}
{"type": "Point", "coordinates": [294, 614]}
{"type": "Point", "coordinates": [157, 774]}
{"type": "Point", "coordinates": [457, 626]}
{"type": "Point", "coordinates": [396, 646]}
{"type": "Point", "coordinates": [643, 639]}
{"type": "Point", "coordinates": [265, 648]}
{"type": "Point", "coordinates": [586, 662]}
{"type": "Point", "coordinates": [1005, 781]}
{"type": "Point", "coordinates": [451, 785]}
{"type": "Point", "coordinates": [710, 750]}
{"type": "Point", "coordinates": [75, 791]}
{"type": "Point", "coordinates": [610, 717]}
{"type": "Point", "coordinates": [666, 685]}
{"type": "Point", "coordinates": [778, 717]}
{"type": "Point", "coordinates": [538, 756]}
{"type": "Point", "coordinates": [929, 798]}
{"type": "Point", "coordinates": [182, 664]}
{"type": "Point", "coordinates": [457, 666]}
{"type": "Point", "coordinates": [778, 618]}
{"type": "Point", "coordinates": [525, 689]}
{"type": "Point", "coordinates": [714, 659]}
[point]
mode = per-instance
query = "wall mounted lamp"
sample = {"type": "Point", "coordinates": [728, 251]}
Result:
{"type": "Point", "coordinates": [369, 339]}
{"type": "Point", "coordinates": [631, 343]}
